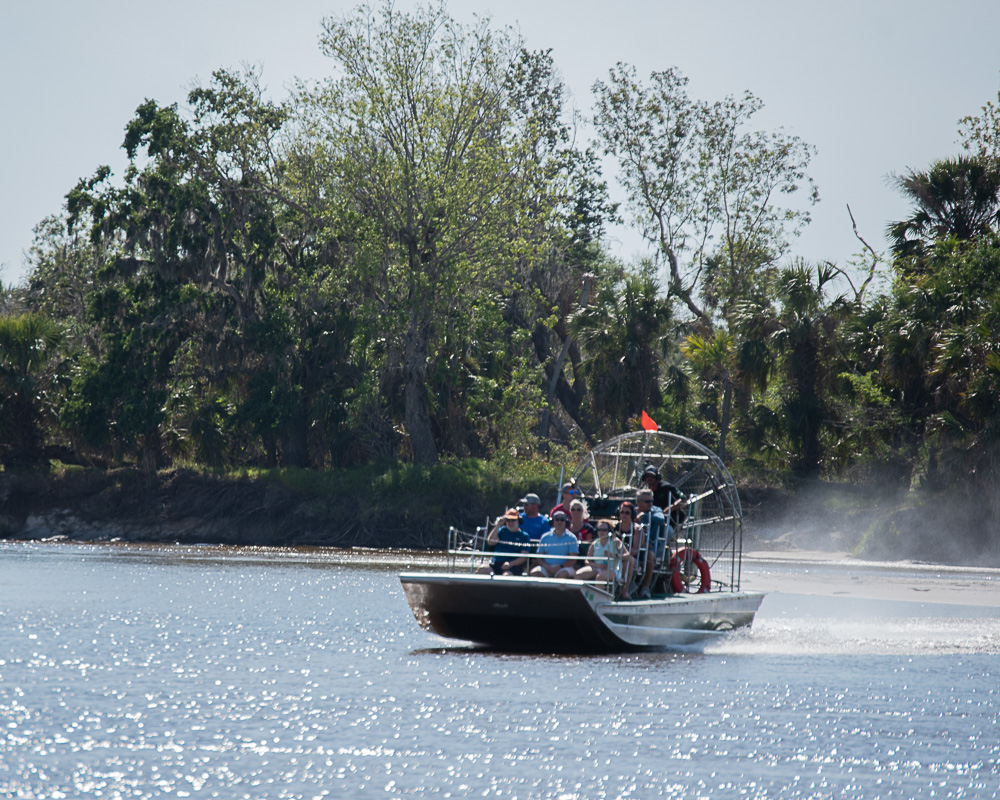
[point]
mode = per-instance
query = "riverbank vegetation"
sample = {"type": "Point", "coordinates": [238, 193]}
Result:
{"type": "Point", "coordinates": [390, 504]}
{"type": "Point", "coordinates": [404, 264]}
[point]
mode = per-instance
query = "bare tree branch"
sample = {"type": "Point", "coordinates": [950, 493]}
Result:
{"type": "Point", "coordinates": [876, 259]}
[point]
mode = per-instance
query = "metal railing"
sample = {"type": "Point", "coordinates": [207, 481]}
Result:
{"type": "Point", "coordinates": [674, 550]}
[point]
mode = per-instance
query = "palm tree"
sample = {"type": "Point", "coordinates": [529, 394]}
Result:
{"type": "Point", "coordinates": [804, 334]}
{"type": "Point", "coordinates": [622, 334]}
{"type": "Point", "coordinates": [711, 356]}
{"type": "Point", "coordinates": [957, 197]}
{"type": "Point", "coordinates": [27, 343]}
{"type": "Point", "coordinates": [961, 370]}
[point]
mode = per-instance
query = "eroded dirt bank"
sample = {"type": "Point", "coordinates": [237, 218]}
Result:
{"type": "Point", "coordinates": [188, 507]}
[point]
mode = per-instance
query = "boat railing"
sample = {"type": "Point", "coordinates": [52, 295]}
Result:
{"type": "Point", "coordinates": [698, 541]}
{"type": "Point", "coordinates": [468, 551]}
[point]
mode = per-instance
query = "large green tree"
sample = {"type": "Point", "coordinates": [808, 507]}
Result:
{"type": "Point", "coordinates": [189, 241]}
{"type": "Point", "coordinates": [939, 361]}
{"type": "Point", "coordinates": [712, 194]}
{"type": "Point", "coordinates": [426, 134]}
{"type": "Point", "coordinates": [221, 287]}
{"type": "Point", "coordinates": [938, 324]}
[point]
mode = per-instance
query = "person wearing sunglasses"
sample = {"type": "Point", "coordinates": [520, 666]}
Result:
{"type": "Point", "coordinates": [567, 495]}
{"type": "Point", "coordinates": [562, 550]}
{"type": "Point", "coordinates": [580, 526]}
{"type": "Point", "coordinates": [668, 497]}
{"type": "Point", "coordinates": [627, 530]}
{"type": "Point", "coordinates": [533, 523]}
{"type": "Point", "coordinates": [602, 556]}
{"type": "Point", "coordinates": [653, 523]}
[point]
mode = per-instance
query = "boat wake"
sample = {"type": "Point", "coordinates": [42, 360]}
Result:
{"type": "Point", "coordinates": [891, 636]}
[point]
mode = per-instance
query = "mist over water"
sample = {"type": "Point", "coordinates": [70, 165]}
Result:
{"type": "Point", "coordinates": [862, 627]}
{"type": "Point", "coordinates": [947, 528]}
{"type": "Point", "coordinates": [212, 672]}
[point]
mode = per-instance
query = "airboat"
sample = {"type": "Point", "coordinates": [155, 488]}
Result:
{"type": "Point", "coordinates": [695, 595]}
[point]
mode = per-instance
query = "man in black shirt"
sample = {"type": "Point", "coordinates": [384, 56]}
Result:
{"type": "Point", "coordinates": [667, 496]}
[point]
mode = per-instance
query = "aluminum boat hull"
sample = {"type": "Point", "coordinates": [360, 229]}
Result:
{"type": "Point", "coordinates": [523, 613]}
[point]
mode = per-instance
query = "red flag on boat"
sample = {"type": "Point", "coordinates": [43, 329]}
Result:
{"type": "Point", "coordinates": [648, 424]}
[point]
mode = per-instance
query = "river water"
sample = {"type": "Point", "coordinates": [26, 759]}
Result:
{"type": "Point", "coordinates": [130, 672]}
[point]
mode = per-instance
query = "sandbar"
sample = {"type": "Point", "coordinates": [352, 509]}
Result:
{"type": "Point", "coordinates": [831, 573]}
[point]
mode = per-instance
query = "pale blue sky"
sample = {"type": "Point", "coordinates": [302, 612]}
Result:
{"type": "Point", "coordinates": [877, 87]}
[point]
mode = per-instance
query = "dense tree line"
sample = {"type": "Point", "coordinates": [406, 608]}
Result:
{"type": "Point", "coordinates": [405, 261]}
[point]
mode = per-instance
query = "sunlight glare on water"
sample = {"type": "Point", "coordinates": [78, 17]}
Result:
{"type": "Point", "coordinates": [211, 672]}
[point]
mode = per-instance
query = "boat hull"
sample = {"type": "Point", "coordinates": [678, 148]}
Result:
{"type": "Point", "coordinates": [522, 613]}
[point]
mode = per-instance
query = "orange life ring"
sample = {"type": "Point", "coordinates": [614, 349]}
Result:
{"type": "Point", "coordinates": [683, 555]}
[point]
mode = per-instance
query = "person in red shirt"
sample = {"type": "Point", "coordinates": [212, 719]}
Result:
{"type": "Point", "coordinates": [568, 494]}
{"type": "Point", "coordinates": [580, 526]}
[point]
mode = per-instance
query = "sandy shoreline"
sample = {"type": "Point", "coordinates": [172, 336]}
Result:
{"type": "Point", "coordinates": [830, 573]}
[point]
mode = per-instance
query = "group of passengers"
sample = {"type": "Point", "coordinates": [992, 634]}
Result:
{"type": "Point", "coordinates": [561, 538]}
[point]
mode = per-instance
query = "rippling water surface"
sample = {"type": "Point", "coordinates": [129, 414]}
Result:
{"type": "Point", "coordinates": [212, 672]}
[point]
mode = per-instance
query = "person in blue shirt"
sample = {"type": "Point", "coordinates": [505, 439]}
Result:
{"type": "Point", "coordinates": [533, 523]}
{"type": "Point", "coordinates": [510, 546]}
{"type": "Point", "coordinates": [560, 543]}
{"type": "Point", "coordinates": [655, 524]}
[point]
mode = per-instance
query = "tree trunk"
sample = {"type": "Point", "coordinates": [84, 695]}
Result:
{"type": "Point", "coordinates": [151, 451]}
{"type": "Point", "coordinates": [727, 410]}
{"type": "Point", "coordinates": [297, 438]}
{"type": "Point", "coordinates": [810, 407]}
{"type": "Point", "coordinates": [418, 423]}
{"type": "Point", "coordinates": [571, 397]}
{"type": "Point", "coordinates": [543, 427]}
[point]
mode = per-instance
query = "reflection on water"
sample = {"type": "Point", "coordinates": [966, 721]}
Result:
{"type": "Point", "coordinates": [213, 672]}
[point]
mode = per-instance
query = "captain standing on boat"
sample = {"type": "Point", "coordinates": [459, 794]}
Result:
{"type": "Point", "coordinates": [667, 497]}
{"type": "Point", "coordinates": [652, 519]}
